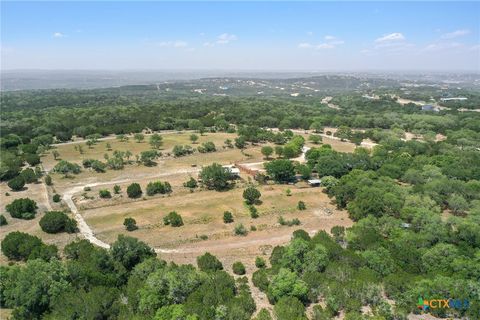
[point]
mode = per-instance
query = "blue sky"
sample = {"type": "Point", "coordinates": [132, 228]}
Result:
{"type": "Point", "coordinates": [241, 35]}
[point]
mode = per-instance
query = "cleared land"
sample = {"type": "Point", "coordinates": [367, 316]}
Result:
{"type": "Point", "coordinates": [202, 210]}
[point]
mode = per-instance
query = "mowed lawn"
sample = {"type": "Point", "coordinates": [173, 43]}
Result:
{"type": "Point", "coordinates": [202, 213]}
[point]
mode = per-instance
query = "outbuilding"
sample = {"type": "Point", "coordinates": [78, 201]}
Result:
{"type": "Point", "coordinates": [314, 182]}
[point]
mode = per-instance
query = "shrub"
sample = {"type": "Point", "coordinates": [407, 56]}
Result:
{"type": "Point", "coordinates": [267, 151]}
{"type": "Point", "coordinates": [17, 183]}
{"type": "Point", "coordinates": [134, 191]}
{"type": "Point", "coordinates": [240, 230]}
{"type": "Point", "coordinates": [29, 175]}
{"type": "Point", "coordinates": [288, 308]}
{"type": "Point", "coordinates": [173, 219]}
{"type": "Point", "coordinates": [87, 189]}
{"type": "Point", "coordinates": [301, 205]}
{"type": "Point", "coordinates": [32, 159]}
{"type": "Point", "coordinates": [48, 180]}
{"type": "Point", "coordinates": [56, 198]}
{"type": "Point", "coordinates": [251, 195]}
{"type": "Point", "coordinates": [209, 262]}
{"type": "Point", "coordinates": [57, 221]}
{"type": "Point", "coordinates": [116, 189]}
{"type": "Point", "coordinates": [104, 193]}
{"type": "Point", "coordinates": [179, 151]}
{"type": "Point", "coordinates": [227, 217]}
{"type": "Point", "coordinates": [260, 262]}
{"type": "Point", "coordinates": [293, 222]}
{"type": "Point", "coordinates": [253, 212]}
{"type": "Point", "coordinates": [253, 228]}
{"type": "Point", "coordinates": [238, 268]}
{"type": "Point", "coordinates": [23, 208]}
{"type": "Point", "coordinates": [158, 187]}
{"type": "Point", "coordinates": [207, 147]}
{"type": "Point", "coordinates": [3, 220]}
{"type": "Point", "coordinates": [192, 183]}
{"type": "Point", "coordinates": [263, 315]}
{"type": "Point", "coordinates": [66, 167]}
{"type": "Point", "coordinates": [215, 177]}
{"type": "Point", "coordinates": [130, 224]}
{"type": "Point", "coordinates": [22, 246]}
{"type": "Point", "coordinates": [260, 279]}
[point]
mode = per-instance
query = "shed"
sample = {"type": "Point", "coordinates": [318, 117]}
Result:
{"type": "Point", "coordinates": [314, 182]}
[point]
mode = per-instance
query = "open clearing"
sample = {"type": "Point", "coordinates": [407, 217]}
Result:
{"type": "Point", "coordinates": [202, 210]}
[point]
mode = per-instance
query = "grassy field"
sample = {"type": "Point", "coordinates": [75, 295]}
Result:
{"type": "Point", "coordinates": [202, 210]}
{"type": "Point", "coordinates": [202, 213]}
{"type": "Point", "coordinates": [97, 151]}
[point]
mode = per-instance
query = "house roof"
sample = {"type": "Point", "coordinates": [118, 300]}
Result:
{"type": "Point", "coordinates": [314, 181]}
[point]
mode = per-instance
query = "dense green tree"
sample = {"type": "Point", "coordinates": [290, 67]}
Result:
{"type": "Point", "coordinates": [215, 177]}
{"type": "Point", "coordinates": [156, 141]}
{"type": "Point", "coordinates": [282, 171]}
{"type": "Point", "coordinates": [267, 151]}
{"type": "Point", "coordinates": [173, 219]}
{"type": "Point", "coordinates": [134, 190]}
{"type": "Point", "coordinates": [3, 220]}
{"type": "Point", "coordinates": [17, 183]}
{"type": "Point", "coordinates": [29, 175]}
{"type": "Point", "coordinates": [289, 308]}
{"type": "Point", "coordinates": [57, 221]}
{"type": "Point", "coordinates": [22, 208]}
{"type": "Point", "coordinates": [209, 262]}
{"type": "Point", "coordinates": [287, 284]}
{"type": "Point", "coordinates": [22, 246]}
{"type": "Point", "coordinates": [130, 251]}
{"type": "Point", "coordinates": [33, 289]}
{"type": "Point", "coordinates": [238, 268]}
{"type": "Point", "coordinates": [130, 224]}
{"type": "Point", "coordinates": [251, 195]}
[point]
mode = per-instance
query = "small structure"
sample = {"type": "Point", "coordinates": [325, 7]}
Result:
{"type": "Point", "coordinates": [429, 107]}
{"type": "Point", "coordinates": [314, 182]}
{"type": "Point", "coordinates": [456, 98]}
{"type": "Point", "coordinates": [233, 170]}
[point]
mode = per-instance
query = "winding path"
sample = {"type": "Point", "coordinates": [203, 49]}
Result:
{"type": "Point", "coordinates": [89, 235]}
{"type": "Point", "coordinates": [85, 229]}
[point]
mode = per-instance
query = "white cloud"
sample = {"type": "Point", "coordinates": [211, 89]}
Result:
{"type": "Point", "coordinates": [324, 46]}
{"type": "Point", "coordinates": [441, 46]}
{"type": "Point", "coordinates": [330, 43]}
{"type": "Point", "coordinates": [455, 34]}
{"type": "Point", "coordinates": [226, 38]}
{"type": "Point", "coordinates": [396, 36]}
{"type": "Point", "coordinates": [208, 44]}
{"type": "Point", "coordinates": [173, 44]}
{"type": "Point", "coordinates": [305, 45]}
{"type": "Point", "coordinates": [58, 35]}
{"type": "Point", "coordinates": [310, 33]}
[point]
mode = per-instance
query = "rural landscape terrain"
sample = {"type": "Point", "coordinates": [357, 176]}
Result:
{"type": "Point", "coordinates": [324, 197]}
{"type": "Point", "coordinates": [239, 160]}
